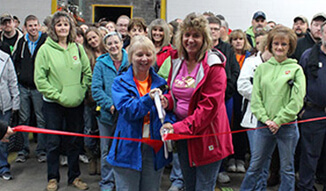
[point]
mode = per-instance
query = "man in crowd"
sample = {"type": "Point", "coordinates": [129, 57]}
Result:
{"type": "Point", "coordinates": [24, 59]}
{"type": "Point", "coordinates": [9, 34]}
{"type": "Point", "coordinates": [232, 67]}
{"type": "Point", "coordinates": [312, 36]}
{"type": "Point", "coordinates": [258, 23]}
{"type": "Point", "coordinates": [17, 22]}
{"type": "Point", "coordinates": [300, 26]}
{"type": "Point", "coordinates": [313, 134]}
{"type": "Point", "coordinates": [224, 31]}
{"type": "Point", "coordinates": [122, 28]}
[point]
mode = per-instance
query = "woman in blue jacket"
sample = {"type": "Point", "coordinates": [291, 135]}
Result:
{"type": "Point", "coordinates": [106, 69]}
{"type": "Point", "coordinates": [136, 166]}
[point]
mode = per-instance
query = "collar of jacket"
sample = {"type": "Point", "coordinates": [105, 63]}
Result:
{"type": "Point", "coordinates": [107, 60]}
{"type": "Point", "coordinates": [128, 78]}
{"type": "Point", "coordinates": [211, 58]}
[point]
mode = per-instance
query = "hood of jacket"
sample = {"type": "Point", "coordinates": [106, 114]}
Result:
{"type": "Point", "coordinates": [273, 61]}
{"type": "Point", "coordinates": [56, 45]}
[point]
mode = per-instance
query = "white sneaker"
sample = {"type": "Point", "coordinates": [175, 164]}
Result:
{"type": "Point", "coordinates": [84, 159]}
{"type": "Point", "coordinates": [231, 166]}
{"type": "Point", "coordinates": [240, 166]}
{"type": "Point", "coordinates": [223, 178]}
{"type": "Point", "coordinates": [63, 160]}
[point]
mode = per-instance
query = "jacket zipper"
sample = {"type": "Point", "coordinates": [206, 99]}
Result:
{"type": "Point", "coordinates": [116, 147]}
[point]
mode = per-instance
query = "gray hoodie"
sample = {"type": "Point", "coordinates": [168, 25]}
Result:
{"type": "Point", "coordinates": [9, 94]}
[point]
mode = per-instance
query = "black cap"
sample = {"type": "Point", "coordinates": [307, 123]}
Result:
{"type": "Point", "coordinates": [319, 16]}
{"type": "Point", "coordinates": [5, 17]}
{"type": "Point", "coordinates": [259, 14]}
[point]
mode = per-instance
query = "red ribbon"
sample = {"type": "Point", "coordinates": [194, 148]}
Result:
{"type": "Point", "coordinates": [155, 144]}
{"type": "Point", "coordinates": [179, 136]}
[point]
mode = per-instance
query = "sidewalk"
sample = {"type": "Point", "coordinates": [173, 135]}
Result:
{"type": "Point", "coordinates": [32, 176]}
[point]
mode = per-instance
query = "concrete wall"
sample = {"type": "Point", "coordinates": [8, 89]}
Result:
{"type": "Point", "coordinates": [239, 13]}
{"type": "Point", "coordinates": [22, 8]}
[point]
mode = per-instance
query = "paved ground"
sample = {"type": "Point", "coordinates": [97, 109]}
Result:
{"type": "Point", "coordinates": [31, 176]}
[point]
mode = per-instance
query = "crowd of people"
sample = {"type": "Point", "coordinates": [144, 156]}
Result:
{"type": "Point", "coordinates": [103, 78]}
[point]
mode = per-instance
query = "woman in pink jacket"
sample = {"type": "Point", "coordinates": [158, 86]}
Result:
{"type": "Point", "coordinates": [197, 82]}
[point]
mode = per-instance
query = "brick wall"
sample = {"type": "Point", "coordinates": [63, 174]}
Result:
{"type": "Point", "coordinates": [141, 8]}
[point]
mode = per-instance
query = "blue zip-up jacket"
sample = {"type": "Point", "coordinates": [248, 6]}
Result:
{"type": "Point", "coordinates": [103, 76]}
{"type": "Point", "coordinates": [132, 109]}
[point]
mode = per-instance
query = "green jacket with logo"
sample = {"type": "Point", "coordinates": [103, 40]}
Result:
{"type": "Point", "coordinates": [62, 75]}
{"type": "Point", "coordinates": [278, 91]}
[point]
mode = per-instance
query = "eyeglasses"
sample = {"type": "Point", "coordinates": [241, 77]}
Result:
{"type": "Point", "coordinates": [122, 25]}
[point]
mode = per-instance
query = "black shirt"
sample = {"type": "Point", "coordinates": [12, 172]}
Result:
{"type": "Point", "coordinates": [11, 41]}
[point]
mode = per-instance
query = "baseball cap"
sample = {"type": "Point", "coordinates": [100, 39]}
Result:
{"type": "Point", "coordinates": [319, 16]}
{"type": "Point", "coordinates": [259, 14]}
{"type": "Point", "coordinates": [300, 17]}
{"type": "Point", "coordinates": [5, 17]}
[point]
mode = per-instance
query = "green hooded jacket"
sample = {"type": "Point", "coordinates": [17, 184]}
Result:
{"type": "Point", "coordinates": [250, 32]}
{"type": "Point", "coordinates": [62, 75]}
{"type": "Point", "coordinates": [278, 91]}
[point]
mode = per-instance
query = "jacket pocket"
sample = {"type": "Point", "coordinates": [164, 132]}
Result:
{"type": "Point", "coordinates": [72, 95]}
{"type": "Point", "coordinates": [5, 98]}
{"type": "Point", "coordinates": [216, 136]}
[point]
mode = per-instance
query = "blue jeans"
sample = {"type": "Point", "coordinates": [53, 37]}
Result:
{"type": "Point", "coordinates": [90, 123]}
{"type": "Point", "coordinates": [146, 180]}
{"type": "Point", "coordinates": [200, 177]}
{"type": "Point", "coordinates": [4, 165]}
{"type": "Point", "coordinates": [61, 118]}
{"type": "Point", "coordinates": [313, 140]}
{"type": "Point", "coordinates": [176, 174]}
{"type": "Point", "coordinates": [229, 108]}
{"type": "Point", "coordinates": [286, 139]}
{"type": "Point", "coordinates": [27, 98]}
{"type": "Point", "coordinates": [107, 181]}
{"type": "Point", "coordinates": [262, 180]}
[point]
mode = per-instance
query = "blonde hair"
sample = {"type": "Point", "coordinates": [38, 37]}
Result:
{"type": "Point", "coordinates": [200, 24]}
{"type": "Point", "coordinates": [141, 42]}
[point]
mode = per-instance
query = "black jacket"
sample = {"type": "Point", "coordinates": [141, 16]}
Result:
{"type": "Point", "coordinates": [232, 68]}
{"type": "Point", "coordinates": [302, 45]}
{"type": "Point", "coordinates": [24, 61]}
{"type": "Point", "coordinates": [5, 48]}
{"type": "Point", "coordinates": [3, 128]}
